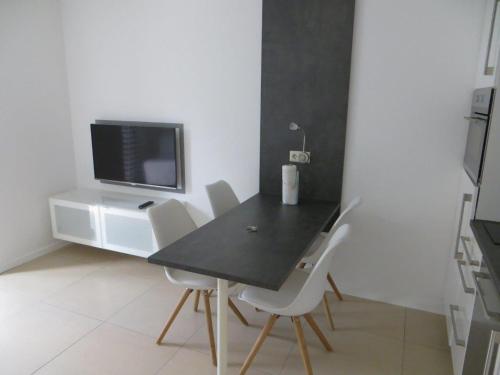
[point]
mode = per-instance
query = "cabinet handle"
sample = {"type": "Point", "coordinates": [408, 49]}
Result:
{"type": "Point", "coordinates": [482, 275]}
{"type": "Point", "coordinates": [458, 342]}
{"type": "Point", "coordinates": [490, 355]}
{"type": "Point", "coordinates": [472, 118]}
{"type": "Point", "coordinates": [466, 198]}
{"type": "Point", "coordinates": [465, 240]}
{"type": "Point", "coordinates": [467, 289]}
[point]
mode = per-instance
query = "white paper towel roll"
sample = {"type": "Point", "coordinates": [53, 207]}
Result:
{"type": "Point", "coordinates": [290, 176]}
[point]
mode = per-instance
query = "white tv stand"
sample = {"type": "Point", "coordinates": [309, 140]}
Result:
{"type": "Point", "coordinates": [104, 219]}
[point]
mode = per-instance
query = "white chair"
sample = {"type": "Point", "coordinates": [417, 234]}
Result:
{"type": "Point", "coordinates": [170, 222]}
{"type": "Point", "coordinates": [299, 295]}
{"type": "Point", "coordinates": [222, 197]}
{"type": "Point", "coordinates": [317, 248]}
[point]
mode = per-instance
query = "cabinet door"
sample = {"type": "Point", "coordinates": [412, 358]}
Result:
{"type": "Point", "coordinates": [127, 232]}
{"type": "Point", "coordinates": [75, 222]}
{"type": "Point", "coordinates": [459, 289]}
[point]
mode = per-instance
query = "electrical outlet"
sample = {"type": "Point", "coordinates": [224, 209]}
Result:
{"type": "Point", "coordinates": [300, 157]}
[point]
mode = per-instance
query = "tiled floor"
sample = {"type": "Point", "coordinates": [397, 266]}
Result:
{"type": "Point", "coordinates": [87, 311]}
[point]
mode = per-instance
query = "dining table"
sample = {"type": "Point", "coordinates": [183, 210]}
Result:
{"type": "Point", "coordinates": [259, 243]}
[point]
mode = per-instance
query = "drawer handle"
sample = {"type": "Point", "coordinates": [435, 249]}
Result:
{"type": "Point", "coordinates": [474, 118]}
{"type": "Point", "coordinates": [465, 240]}
{"type": "Point", "coordinates": [467, 289]}
{"type": "Point", "coordinates": [458, 342]}
{"type": "Point", "coordinates": [482, 275]}
{"type": "Point", "coordinates": [466, 198]}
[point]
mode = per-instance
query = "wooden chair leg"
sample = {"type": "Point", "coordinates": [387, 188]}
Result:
{"type": "Point", "coordinates": [334, 287]}
{"type": "Point", "coordinates": [328, 313]}
{"type": "Point", "coordinates": [237, 312]}
{"type": "Point", "coordinates": [197, 300]}
{"type": "Point", "coordinates": [208, 316]}
{"type": "Point", "coordinates": [260, 340]}
{"type": "Point", "coordinates": [302, 345]}
{"type": "Point", "coordinates": [174, 315]}
{"type": "Point", "coordinates": [317, 331]}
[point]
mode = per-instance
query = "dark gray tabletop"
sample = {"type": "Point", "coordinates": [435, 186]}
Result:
{"type": "Point", "coordinates": [224, 248]}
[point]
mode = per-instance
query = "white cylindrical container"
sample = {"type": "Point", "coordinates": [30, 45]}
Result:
{"type": "Point", "coordinates": [290, 176]}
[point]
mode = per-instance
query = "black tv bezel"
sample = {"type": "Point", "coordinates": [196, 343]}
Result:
{"type": "Point", "coordinates": [179, 128]}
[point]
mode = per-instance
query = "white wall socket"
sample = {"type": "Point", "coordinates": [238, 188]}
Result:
{"type": "Point", "coordinates": [300, 157]}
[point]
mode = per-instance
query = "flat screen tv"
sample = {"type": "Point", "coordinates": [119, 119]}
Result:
{"type": "Point", "coordinates": [144, 154]}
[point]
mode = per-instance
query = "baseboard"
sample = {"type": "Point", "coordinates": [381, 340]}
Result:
{"type": "Point", "coordinates": [56, 245]}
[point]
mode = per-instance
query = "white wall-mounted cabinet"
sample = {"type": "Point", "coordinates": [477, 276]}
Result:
{"type": "Point", "coordinates": [104, 219]}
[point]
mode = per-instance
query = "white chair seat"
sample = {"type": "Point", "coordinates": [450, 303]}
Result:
{"type": "Point", "coordinates": [192, 280]}
{"type": "Point", "coordinates": [276, 302]}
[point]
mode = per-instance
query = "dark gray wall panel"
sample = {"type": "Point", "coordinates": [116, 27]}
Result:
{"type": "Point", "coordinates": [306, 59]}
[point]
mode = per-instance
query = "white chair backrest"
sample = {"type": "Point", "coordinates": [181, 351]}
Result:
{"type": "Point", "coordinates": [222, 197]}
{"type": "Point", "coordinates": [355, 202]}
{"type": "Point", "coordinates": [170, 222]}
{"type": "Point", "coordinates": [313, 289]}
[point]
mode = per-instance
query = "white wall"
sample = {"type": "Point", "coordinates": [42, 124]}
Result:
{"type": "Point", "coordinates": [188, 61]}
{"type": "Point", "coordinates": [36, 151]}
{"type": "Point", "coordinates": [413, 71]}
{"type": "Point", "coordinates": [195, 62]}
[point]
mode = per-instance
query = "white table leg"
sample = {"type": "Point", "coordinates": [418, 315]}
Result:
{"type": "Point", "coordinates": [222, 296]}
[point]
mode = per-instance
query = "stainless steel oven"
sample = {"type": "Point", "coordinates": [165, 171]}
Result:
{"type": "Point", "coordinates": [479, 122]}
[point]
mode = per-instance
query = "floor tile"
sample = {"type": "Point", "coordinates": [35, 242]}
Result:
{"type": "Point", "coordinates": [83, 310]}
{"type": "Point", "coordinates": [33, 337]}
{"type": "Point", "coordinates": [424, 328]}
{"type": "Point", "coordinates": [189, 362]}
{"type": "Point", "coordinates": [367, 316]}
{"type": "Point", "coordinates": [270, 359]}
{"type": "Point", "coordinates": [423, 360]}
{"type": "Point", "coordinates": [355, 353]}
{"type": "Point", "coordinates": [14, 301]}
{"type": "Point", "coordinates": [110, 350]}
{"type": "Point", "coordinates": [104, 292]}
{"type": "Point", "coordinates": [149, 312]}
{"type": "Point", "coordinates": [55, 271]}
